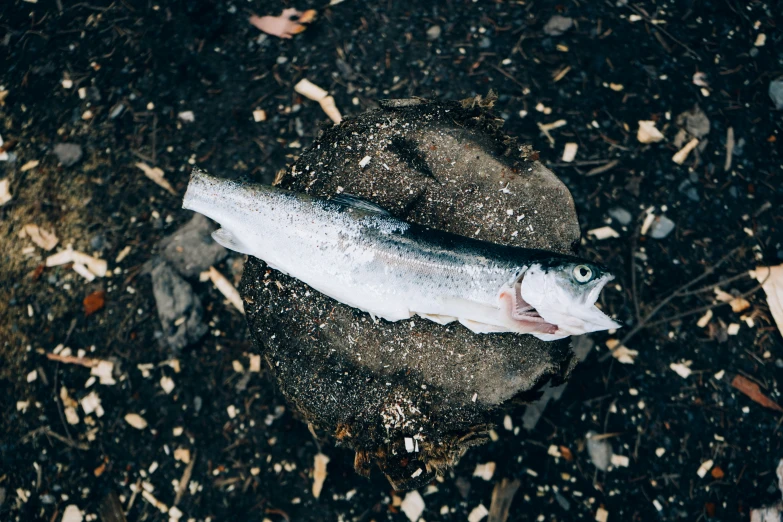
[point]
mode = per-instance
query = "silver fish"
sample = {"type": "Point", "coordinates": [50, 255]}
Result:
{"type": "Point", "coordinates": [358, 254]}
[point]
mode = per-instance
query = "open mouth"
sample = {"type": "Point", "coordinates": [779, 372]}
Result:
{"type": "Point", "coordinates": [526, 314]}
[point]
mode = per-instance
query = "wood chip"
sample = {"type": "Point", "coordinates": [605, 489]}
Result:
{"type": "Point", "coordinates": [136, 420]}
{"type": "Point", "coordinates": [752, 390]}
{"type": "Point", "coordinates": [502, 496]}
{"type": "Point", "coordinates": [104, 370]}
{"type": "Point", "coordinates": [601, 515]}
{"type": "Point", "coordinates": [648, 133]}
{"type": "Point", "coordinates": [283, 26]}
{"type": "Point", "coordinates": [704, 468]}
{"type": "Point", "coordinates": [319, 473]}
{"type": "Point", "coordinates": [729, 149]}
{"type": "Point", "coordinates": [5, 192]}
{"type": "Point", "coordinates": [569, 152]}
{"type": "Point", "coordinates": [72, 514]}
{"type": "Point", "coordinates": [182, 455]}
{"type": "Point", "coordinates": [681, 155]}
{"type": "Point", "coordinates": [622, 354]}
{"type": "Point", "coordinates": [226, 288]}
{"type": "Point", "coordinates": [485, 471]}
{"type": "Point", "coordinates": [478, 513]}
{"type": "Point", "coordinates": [310, 90]}
{"type": "Point", "coordinates": [603, 233]}
{"type": "Point", "coordinates": [704, 319]}
{"type": "Point", "coordinates": [30, 165]}
{"type": "Point", "coordinates": [772, 283]}
{"type": "Point", "coordinates": [412, 505]}
{"type": "Point", "coordinates": [41, 237]}
{"type": "Point", "coordinates": [255, 363]}
{"type": "Point", "coordinates": [259, 115]}
{"type": "Point", "coordinates": [156, 175]}
{"type": "Point", "coordinates": [329, 107]}
{"type": "Point", "coordinates": [681, 370]}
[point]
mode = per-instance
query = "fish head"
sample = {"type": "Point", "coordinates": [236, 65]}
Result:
{"type": "Point", "coordinates": [563, 293]}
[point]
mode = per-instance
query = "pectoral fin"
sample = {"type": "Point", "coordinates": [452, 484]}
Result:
{"type": "Point", "coordinates": [437, 318]}
{"type": "Point", "coordinates": [227, 239]}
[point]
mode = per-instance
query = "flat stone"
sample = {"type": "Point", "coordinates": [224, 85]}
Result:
{"type": "Point", "coordinates": [661, 227]}
{"type": "Point", "coordinates": [446, 165]}
{"type": "Point", "coordinates": [68, 154]}
{"type": "Point", "coordinates": [179, 308]}
{"type": "Point", "coordinates": [621, 215]}
{"type": "Point", "coordinates": [191, 249]}
{"type": "Point", "coordinates": [558, 25]}
{"type": "Point", "coordinates": [776, 93]}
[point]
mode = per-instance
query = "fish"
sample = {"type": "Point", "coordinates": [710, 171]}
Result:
{"type": "Point", "coordinates": [357, 253]}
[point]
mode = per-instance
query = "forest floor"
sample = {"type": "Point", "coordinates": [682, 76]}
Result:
{"type": "Point", "coordinates": [175, 84]}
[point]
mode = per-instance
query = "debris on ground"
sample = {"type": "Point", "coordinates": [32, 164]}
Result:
{"type": "Point", "coordinates": [502, 497]}
{"type": "Point", "coordinates": [179, 308]}
{"type": "Point", "coordinates": [681, 155]}
{"type": "Point", "coordinates": [40, 236]}
{"type": "Point", "coordinates": [5, 192]}
{"type": "Point", "coordinates": [648, 133]}
{"type": "Point", "coordinates": [412, 505]}
{"type": "Point", "coordinates": [753, 390]}
{"type": "Point", "coordinates": [603, 233]}
{"type": "Point", "coordinates": [287, 24]}
{"type": "Point", "coordinates": [319, 473]}
{"type": "Point", "coordinates": [310, 90]}
{"type": "Point", "coordinates": [600, 450]}
{"type": "Point", "coordinates": [68, 154]}
{"type": "Point", "coordinates": [156, 175]}
{"type": "Point", "coordinates": [660, 227]}
{"type": "Point", "coordinates": [191, 249]}
{"type": "Point", "coordinates": [771, 280]}
{"type": "Point", "coordinates": [226, 288]}
{"type": "Point", "coordinates": [484, 471]}
{"type": "Point", "coordinates": [558, 25]}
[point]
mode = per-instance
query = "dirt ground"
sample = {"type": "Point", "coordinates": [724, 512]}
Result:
{"type": "Point", "coordinates": [121, 80]}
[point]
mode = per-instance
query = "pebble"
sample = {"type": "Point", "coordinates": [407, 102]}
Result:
{"type": "Point", "coordinates": [621, 215]}
{"type": "Point", "coordinates": [191, 249]}
{"type": "Point", "coordinates": [433, 33]}
{"type": "Point", "coordinates": [175, 300]}
{"type": "Point", "coordinates": [661, 227]}
{"type": "Point", "coordinates": [68, 153]}
{"type": "Point", "coordinates": [776, 92]}
{"type": "Point", "coordinates": [558, 25]}
{"type": "Point", "coordinates": [600, 451]}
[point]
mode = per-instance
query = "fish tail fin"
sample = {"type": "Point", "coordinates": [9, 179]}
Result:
{"type": "Point", "coordinates": [227, 239]}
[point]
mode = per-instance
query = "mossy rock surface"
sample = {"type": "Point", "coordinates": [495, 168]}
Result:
{"type": "Point", "coordinates": [372, 384]}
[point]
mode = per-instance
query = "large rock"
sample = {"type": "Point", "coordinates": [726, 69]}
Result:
{"type": "Point", "coordinates": [370, 384]}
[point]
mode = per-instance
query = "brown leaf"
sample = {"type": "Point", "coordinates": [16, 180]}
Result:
{"type": "Point", "coordinates": [566, 453]}
{"type": "Point", "coordinates": [717, 473]}
{"type": "Point", "coordinates": [93, 302]}
{"type": "Point", "coordinates": [752, 390]}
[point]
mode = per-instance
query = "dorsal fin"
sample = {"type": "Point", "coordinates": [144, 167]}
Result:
{"type": "Point", "coordinates": [347, 200]}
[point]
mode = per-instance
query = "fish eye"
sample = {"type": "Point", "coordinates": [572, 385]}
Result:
{"type": "Point", "coordinates": [583, 273]}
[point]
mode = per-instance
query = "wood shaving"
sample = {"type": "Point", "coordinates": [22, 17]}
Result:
{"type": "Point", "coordinates": [603, 233]}
{"type": "Point", "coordinates": [319, 473]}
{"type": "Point", "coordinates": [5, 192]}
{"type": "Point", "coordinates": [569, 152]}
{"type": "Point", "coordinates": [30, 165]}
{"type": "Point", "coordinates": [41, 237]}
{"type": "Point", "coordinates": [771, 279]}
{"type": "Point", "coordinates": [226, 288]}
{"type": "Point", "coordinates": [682, 154]}
{"type": "Point", "coordinates": [485, 471]}
{"type": "Point", "coordinates": [136, 420]}
{"type": "Point", "coordinates": [681, 369]}
{"type": "Point", "coordinates": [156, 175]}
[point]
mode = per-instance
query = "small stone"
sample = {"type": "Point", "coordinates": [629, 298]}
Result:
{"type": "Point", "coordinates": [621, 215]}
{"type": "Point", "coordinates": [600, 451]}
{"type": "Point", "coordinates": [661, 227]}
{"type": "Point", "coordinates": [68, 153]}
{"type": "Point", "coordinates": [558, 25]}
{"type": "Point", "coordinates": [191, 249]}
{"type": "Point", "coordinates": [136, 420]}
{"type": "Point", "coordinates": [776, 92]}
{"type": "Point", "coordinates": [433, 33]}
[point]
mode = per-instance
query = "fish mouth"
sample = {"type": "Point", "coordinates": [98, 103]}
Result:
{"type": "Point", "coordinates": [526, 314]}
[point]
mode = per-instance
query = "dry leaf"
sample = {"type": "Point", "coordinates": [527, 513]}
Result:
{"type": "Point", "coordinates": [752, 390]}
{"type": "Point", "coordinates": [319, 473]}
{"type": "Point", "coordinates": [93, 302]}
{"type": "Point", "coordinates": [772, 283]}
{"type": "Point", "coordinates": [286, 25]}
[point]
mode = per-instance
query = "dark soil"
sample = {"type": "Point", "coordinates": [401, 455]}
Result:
{"type": "Point", "coordinates": [158, 60]}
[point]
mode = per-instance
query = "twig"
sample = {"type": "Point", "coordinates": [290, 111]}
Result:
{"type": "Point", "coordinates": [70, 359]}
{"type": "Point", "coordinates": [661, 29]}
{"type": "Point", "coordinates": [183, 482]}
{"type": "Point", "coordinates": [677, 293]}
